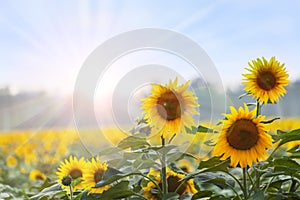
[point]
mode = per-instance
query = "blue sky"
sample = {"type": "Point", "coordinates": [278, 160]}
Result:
{"type": "Point", "coordinates": [44, 43]}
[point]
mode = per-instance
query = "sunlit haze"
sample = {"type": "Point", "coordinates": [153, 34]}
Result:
{"type": "Point", "coordinates": [43, 44]}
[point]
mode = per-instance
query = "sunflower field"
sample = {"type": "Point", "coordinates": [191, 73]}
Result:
{"type": "Point", "coordinates": [167, 155]}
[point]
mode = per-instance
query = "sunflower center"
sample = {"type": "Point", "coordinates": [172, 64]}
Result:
{"type": "Point", "coordinates": [266, 80]}
{"type": "Point", "coordinates": [98, 175]}
{"type": "Point", "coordinates": [168, 106]}
{"type": "Point", "coordinates": [173, 184]}
{"type": "Point", "coordinates": [39, 177]}
{"type": "Point", "coordinates": [75, 173]}
{"type": "Point", "coordinates": [242, 135]}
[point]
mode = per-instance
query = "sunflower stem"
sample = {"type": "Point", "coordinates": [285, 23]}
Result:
{"type": "Point", "coordinates": [258, 108]}
{"type": "Point", "coordinates": [242, 188]}
{"type": "Point", "coordinates": [245, 182]}
{"type": "Point", "coordinates": [164, 170]}
{"type": "Point", "coordinates": [71, 192]}
{"type": "Point", "coordinates": [172, 138]}
{"type": "Point", "coordinates": [257, 175]}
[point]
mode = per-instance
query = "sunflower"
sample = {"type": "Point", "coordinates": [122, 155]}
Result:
{"type": "Point", "coordinates": [266, 80]}
{"type": "Point", "coordinates": [243, 138]}
{"type": "Point", "coordinates": [11, 161]}
{"type": "Point", "coordinates": [93, 174]}
{"type": "Point", "coordinates": [169, 108]}
{"type": "Point", "coordinates": [173, 180]}
{"type": "Point", "coordinates": [73, 168]}
{"type": "Point", "coordinates": [36, 175]}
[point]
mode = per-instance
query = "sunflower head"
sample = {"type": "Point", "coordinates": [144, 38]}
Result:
{"type": "Point", "coordinates": [266, 80]}
{"type": "Point", "coordinates": [170, 107]}
{"type": "Point", "coordinates": [243, 138]}
{"type": "Point", "coordinates": [72, 168]}
{"type": "Point", "coordinates": [37, 175]}
{"type": "Point", "coordinates": [174, 184]}
{"type": "Point", "coordinates": [93, 174]}
{"type": "Point", "coordinates": [11, 161]}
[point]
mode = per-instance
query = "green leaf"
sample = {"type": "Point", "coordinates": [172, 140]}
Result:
{"type": "Point", "coordinates": [243, 95]}
{"type": "Point", "coordinates": [209, 163]}
{"type": "Point", "coordinates": [257, 195]}
{"type": "Point", "coordinates": [76, 181]}
{"type": "Point", "coordinates": [133, 143]}
{"type": "Point", "coordinates": [210, 143]}
{"type": "Point", "coordinates": [286, 165]}
{"type": "Point", "coordinates": [214, 164]}
{"type": "Point", "coordinates": [200, 129]}
{"type": "Point", "coordinates": [202, 194]}
{"type": "Point", "coordinates": [78, 197]}
{"type": "Point", "coordinates": [275, 138]}
{"type": "Point", "coordinates": [118, 191]}
{"type": "Point", "coordinates": [140, 163]}
{"type": "Point", "coordinates": [114, 178]}
{"type": "Point", "coordinates": [295, 149]}
{"type": "Point", "coordinates": [166, 149]}
{"type": "Point", "coordinates": [289, 136]}
{"type": "Point", "coordinates": [270, 121]}
{"type": "Point", "coordinates": [251, 104]}
{"type": "Point", "coordinates": [171, 196]}
{"type": "Point", "coordinates": [203, 129]}
{"type": "Point", "coordinates": [277, 184]}
{"type": "Point", "coordinates": [279, 132]}
{"type": "Point", "coordinates": [48, 192]}
{"type": "Point", "coordinates": [109, 151]}
{"type": "Point", "coordinates": [221, 182]}
{"type": "Point", "coordinates": [192, 130]}
{"type": "Point", "coordinates": [110, 172]}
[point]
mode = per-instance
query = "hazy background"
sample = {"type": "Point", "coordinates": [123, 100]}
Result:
{"type": "Point", "coordinates": [43, 44]}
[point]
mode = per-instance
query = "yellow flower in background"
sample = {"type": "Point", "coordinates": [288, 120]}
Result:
{"type": "Point", "coordinates": [243, 138]}
{"type": "Point", "coordinates": [173, 180]}
{"type": "Point", "coordinates": [169, 108]}
{"type": "Point", "coordinates": [185, 165]}
{"type": "Point", "coordinates": [266, 80]}
{"type": "Point", "coordinates": [286, 124]}
{"type": "Point", "coordinates": [36, 175]}
{"type": "Point", "coordinates": [93, 173]}
{"type": "Point", "coordinates": [11, 161]}
{"type": "Point", "coordinates": [73, 168]}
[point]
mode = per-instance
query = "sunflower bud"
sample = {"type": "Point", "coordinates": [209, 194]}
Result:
{"type": "Point", "coordinates": [66, 181]}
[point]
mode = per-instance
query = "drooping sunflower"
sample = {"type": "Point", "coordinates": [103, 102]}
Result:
{"type": "Point", "coordinates": [173, 184]}
{"type": "Point", "coordinates": [243, 138]}
{"type": "Point", "coordinates": [73, 168]}
{"type": "Point", "coordinates": [266, 80]}
{"type": "Point", "coordinates": [36, 175]}
{"type": "Point", "coordinates": [169, 108]}
{"type": "Point", "coordinates": [93, 174]}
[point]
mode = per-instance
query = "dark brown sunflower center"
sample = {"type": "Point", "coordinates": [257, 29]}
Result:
{"type": "Point", "coordinates": [266, 80]}
{"type": "Point", "coordinates": [98, 175]}
{"type": "Point", "coordinates": [75, 173]}
{"type": "Point", "coordinates": [39, 177]}
{"type": "Point", "coordinates": [168, 106]}
{"type": "Point", "coordinates": [173, 184]}
{"type": "Point", "coordinates": [242, 135]}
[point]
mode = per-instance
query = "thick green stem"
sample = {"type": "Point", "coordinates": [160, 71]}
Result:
{"type": "Point", "coordinates": [164, 169]}
{"type": "Point", "coordinates": [245, 182]}
{"type": "Point", "coordinates": [71, 192]}
{"type": "Point", "coordinates": [257, 175]}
